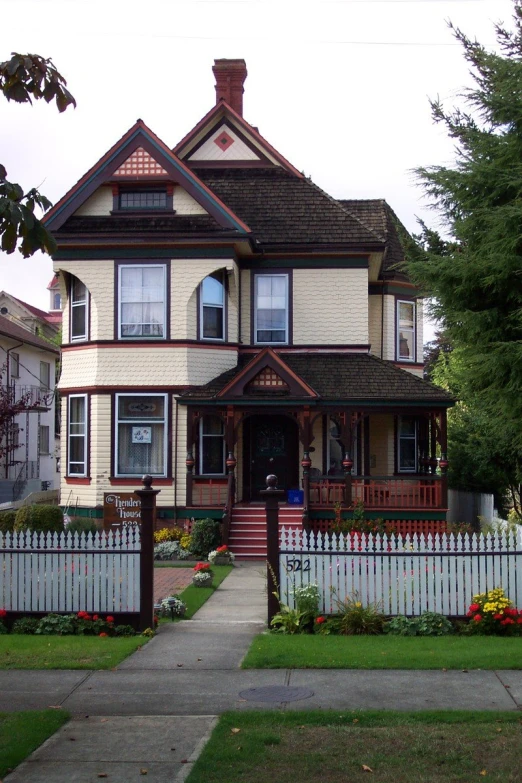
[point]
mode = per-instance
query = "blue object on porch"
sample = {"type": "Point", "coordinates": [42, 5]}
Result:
{"type": "Point", "coordinates": [295, 497]}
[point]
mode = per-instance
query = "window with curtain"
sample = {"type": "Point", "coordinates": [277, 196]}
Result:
{"type": "Point", "coordinates": [271, 309]}
{"type": "Point", "coordinates": [212, 308]}
{"type": "Point", "coordinates": [211, 446]}
{"type": "Point", "coordinates": [406, 331]}
{"type": "Point", "coordinates": [79, 315]}
{"type": "Point", "coordinates": [407, 444]}
{"type": "Point", "coordinates": [77, 435]}
{"type": "Point", "coordinates": [141, 437]}
{"type": "Point", "coordinates": [142, 301]}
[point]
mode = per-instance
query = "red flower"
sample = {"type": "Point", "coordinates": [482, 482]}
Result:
{"type": "Point", "coordinates": [223, 548]}
{"type": "Point", "coordinates": [519, 620]}
{"type": "Point", "coordinates": [3, 613]}
{"type": "Point", "coordinates": [320, 620]}
{"type": "Point", "coordinates": [477, 618]}
{"type": "Point", "coordinates": [95, 617]}
{"type": "Point", "coordinates": [507, 621]}
{"type": "Point", "coordinates": [474, 607]}
{"type": "Point", "coordinates": [497, 616]}
{"type": "Point", "coordinates": [202, 567]}
{"type": "Point", "coordinates": [102, 634]}
{"type": "Point", "coordinates": [110, 619]}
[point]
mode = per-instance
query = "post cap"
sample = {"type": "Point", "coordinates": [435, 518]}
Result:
{"type": "Point", "coordinates": [271, 481]}
{"type": "Point", "coordinates": [147, 481]}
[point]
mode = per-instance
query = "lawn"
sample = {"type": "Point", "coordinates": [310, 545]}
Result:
{"type": "Point", "coordinates": [20, 651]}
{"type": "Point", "coordinates": [277, 651]}
{"type": "Point", "coordinates": [23, 732]}
{"type": "Point", "coordinates": [195, 597]}
{"type": "Point", "coordinates": [431, 747]}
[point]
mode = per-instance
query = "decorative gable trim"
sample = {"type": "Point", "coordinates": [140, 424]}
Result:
{"type": "Point", "coordinates": [140, 164]}
{"type": "Point", "coordinates": [267, 364]}
{"type": "Point", "coordinates": [141, 137]}
{"type": "Point", "coordinates": [223, 111]}
{"type": "Point", "coordinates": [227, 130]}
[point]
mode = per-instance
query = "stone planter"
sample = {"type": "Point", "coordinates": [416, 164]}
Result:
{"type": "Point", "coordinates": [207, 582]}
{"type": "Point", "coordinates": [222, 560]}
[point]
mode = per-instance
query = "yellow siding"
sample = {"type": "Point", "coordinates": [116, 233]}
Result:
{"type": "Point", "coordinates": [374, 323]}
{"type": "Point", "coordinates": [374, 266]}
{"type": "Point", "coordinates": [330, 306]}
{"type": "Point", "coordinates": [420, 329]}
{"type": "Point", "coordinates": [98, 277]}
{"type": "Point", "coordinates": [245, 306]}
{"type": "Point", "coordinates": [184, 204]}
{"type": "Point", "coordinates": [389, 328]}
{"type": "Point", "coordinates": [186, 276]}
{"type": "Point", "coordinates": [381, 444]}
{"type": "Point", "coordinates": [180, 468]}
{"type": "Point", "coordinates": [205, 364]}
{"type": "Point", "coordinates": [100, 203]}
{"type": "Point", "coordinates": [100, 444]}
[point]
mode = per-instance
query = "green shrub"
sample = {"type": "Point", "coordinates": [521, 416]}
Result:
{"type": "Point", "coordinates": [26, 625]}
{"type": "Point", "coordinates": [354, 618]}
{"type": "Point", "coordinates": [168, 534]}
{"type": "Point", "coordinates": [3, 629]}
{"type": "Point", "coordinates": [82, 525]}
{"type": "Point", "coordinates": [7, 521]}
{"type": "Point", "coordinates": [401, 626]}
{"type": "Point", "coordinates": [57, 625]}
{"type": "Point", "coordinates": [205, 536]}
{"type": "Point", "coordinates": [124, 630]}
{"type": "Point", "coordinates": [433, 624]}
{"type": "Point", "coordinates": [167, 550]}
{"type": "Point", "coordinates": [40, 519]}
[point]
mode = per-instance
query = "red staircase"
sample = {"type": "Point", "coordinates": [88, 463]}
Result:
{"type": "Point", "coordinates": [247, 537]}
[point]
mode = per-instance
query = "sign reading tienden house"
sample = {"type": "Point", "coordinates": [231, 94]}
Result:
{"type": "Point", "coordinates": [120, 509]}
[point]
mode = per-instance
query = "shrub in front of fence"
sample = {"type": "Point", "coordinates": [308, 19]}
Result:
{"type": "Point", "coordinates": [3, 628]}
{"type": "Point", "coordinates": [427, 624]}
{"type": "Point", "coordinates": [354, 618]}
{"type": "Point", "coordinates": [492, 613]}
{"type": "Point", "coordinates": [82, 525]}
{"type": "Point", "coordinates": [39, 518]}
{"type": "Point", "coordinates": [79, 624]}
{"type": "Point", "coordinates": [7, 521]}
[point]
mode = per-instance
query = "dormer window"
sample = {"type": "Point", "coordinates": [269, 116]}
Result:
{"type": "Point", "coordinates": [143, 199]}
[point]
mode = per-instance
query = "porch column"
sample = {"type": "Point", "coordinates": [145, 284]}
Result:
{"type": "Point", "coordinates": [306, 464]}
{"type": "Point", "coordinates": [190, 461]}
{"type": "Point", "coordinates": [347, 468]}
{"type": "Point", "coordinates": [444, 458]}
{"type": "Point", "coordinates": [433, 444]}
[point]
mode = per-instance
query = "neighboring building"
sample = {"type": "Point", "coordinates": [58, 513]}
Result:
{"type": "Point", "coordinates": [28, 442]}
{"type": "Point", "coordinates": [224, 319]}
{"type": "Point", "coordinates": [30, 317]}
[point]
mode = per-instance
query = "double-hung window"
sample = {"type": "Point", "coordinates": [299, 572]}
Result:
{"type": "Point", "coordinates": [142, 301]}
{"type": "Point", "coordinates": [271, 309]}
{"type": "Point", "coordinates": [212, 308]}
{"type": "Point", "coordinates": [45, 376]}
{"type": "Point", "coordinates": [405, 331]}
{"type": "Point", "coordinates": [77, 435]}
{"type": "Point", "coordinates": [44, 439]}
{"type": "Point", "coordinates": [79, 313]}
{"type": "Point", "coordinates": [143, 199]}
{"type": "Point", "coordinates": [211, 446]}
{"type": "Point", "coordinates": [407, 444]}
{"type": "Point", "coordinates": [141, 434]}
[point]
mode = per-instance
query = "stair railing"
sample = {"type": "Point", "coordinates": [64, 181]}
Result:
{"type": "Point", "coordinates": [231, 494]}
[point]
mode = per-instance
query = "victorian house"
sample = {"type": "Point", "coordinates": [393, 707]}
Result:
{"type": "Point", "coordinates": [224, 318]}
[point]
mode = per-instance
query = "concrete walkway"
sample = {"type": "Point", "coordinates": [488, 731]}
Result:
{"type": "Point", "coordinates": [156, 711]}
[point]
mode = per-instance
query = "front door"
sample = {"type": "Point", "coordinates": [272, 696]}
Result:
{"type": "Point", "coordinates": [272, 447]}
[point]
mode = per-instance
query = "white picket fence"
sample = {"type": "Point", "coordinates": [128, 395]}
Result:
{"type": "Point", "coordinates": [408, 576]}
{"type": "Point", "coordinates": [61, 572]}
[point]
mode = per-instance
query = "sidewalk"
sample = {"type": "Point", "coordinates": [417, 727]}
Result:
{"type": "Point", "coordinates": [158, 708]}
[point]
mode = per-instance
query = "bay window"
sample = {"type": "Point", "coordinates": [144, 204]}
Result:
{"type": "Point", "coordinates": [405, 331]}
{"type": "Point", "coordinates": [79, 315]}
{"type": "Point", "coordinates": [212, 308]}
{"type": "Point", "coordinates": [141, 434]}
{"type": "Point", "coordinates": [77, 435]}
{"type": "Point", "coordinates": [211, 446]}
{"type": "Point", "coordinates": [142, 301]}
{"type": "Point", "coordinates": [271, 309]}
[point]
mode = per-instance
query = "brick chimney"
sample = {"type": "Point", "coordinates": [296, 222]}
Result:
{"type": "Point", "coordinates": [230, 77]}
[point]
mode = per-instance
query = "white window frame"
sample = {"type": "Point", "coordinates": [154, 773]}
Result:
{"type": "Point", "coordinates": [120, 303]}
{"type": "Point", "coordinates": [205, 435]}
{"type": "Point", "coordinates": [83, 436]}
{"type": "Point", "coordinates": [412, 329]}
{"type": "Point", "coordinates": [141, 420]}
{"type": "Point", "coordinates": [287, 319]}
{"type": "Point", "coordinates": [202, 305]}
{"type": "Point", "coordinates": [77, 304]}
{"type": "Point", "coordinates": [400, 437]}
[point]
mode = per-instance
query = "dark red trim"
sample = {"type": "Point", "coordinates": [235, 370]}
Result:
{"type": "Point", "coordinates": [82, 481]}
{"type": "Point", "coordinates": [267, 358]}
{"type": "Point", "coordinates": [262, 159]}
{"type": "Point", "coordinates": [130, 343]}
{"type": "Point", "coordinates": [306, 348]}
{"type": "Point", "coordinates": [111, 388]}
{"type": "Point", "coordinates": [128, 482]}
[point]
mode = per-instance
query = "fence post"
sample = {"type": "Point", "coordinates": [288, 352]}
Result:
{"type": "Point", "coordinates": [147, 496]}
{"type": "Point", "coordinates": [272, 495]}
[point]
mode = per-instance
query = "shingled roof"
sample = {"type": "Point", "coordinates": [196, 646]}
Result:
{"type": "Point", "coordinates": [169, 224]}
{"type": "Point", "coordinates": [382, 220]}
{"type": "Point", "coordinates": [283, 209]}
{"type": "Point", "coordinates": [341, 377]}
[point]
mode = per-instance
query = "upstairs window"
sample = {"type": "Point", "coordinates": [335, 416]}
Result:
{"type": "Point", "coordinates": [271, 309]}
{"type": "Point", "coordinates": [57, 301]}
{"type": "Point", "coordinates": [212, 310]}
{"type": "Point", "coordinates": [142, 301]}
{"type": "Point", "coordinates": [79, 310]}
{"type": "Point", "coordinates": [405, 331]}
{"type": "Point", "coordinates": [407, 444]}
{"type": "Point", "coordinates": [143, 199]}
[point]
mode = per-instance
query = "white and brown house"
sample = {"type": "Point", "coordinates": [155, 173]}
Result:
{"type": "Point", "coordinates": [224, 318]}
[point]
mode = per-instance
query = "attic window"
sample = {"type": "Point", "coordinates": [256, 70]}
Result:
{"type": "Point", "coordinates": [143, 199]}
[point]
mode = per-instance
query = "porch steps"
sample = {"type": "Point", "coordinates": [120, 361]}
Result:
{"type": "Point", "coordinates": [247, 538]}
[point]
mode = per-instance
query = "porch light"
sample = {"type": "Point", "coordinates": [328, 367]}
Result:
{"type": "Point", "coordinates": [347, 463]}
{"type": "Point", "coordinates": [190, 462]}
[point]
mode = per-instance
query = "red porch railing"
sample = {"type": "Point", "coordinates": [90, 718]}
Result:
{"type": "Point", "coordinates": [209, 491]}
{"type": "Point", "coordinates": [379, 492]}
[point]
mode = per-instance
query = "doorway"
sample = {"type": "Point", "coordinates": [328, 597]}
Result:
{"type": "Point", "coordinates": [271, 445]}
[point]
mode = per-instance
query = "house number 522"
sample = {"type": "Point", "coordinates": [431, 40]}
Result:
{"type": "Point", "coordinates": [297, 564]}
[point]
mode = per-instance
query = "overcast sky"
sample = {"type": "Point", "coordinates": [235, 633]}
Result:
{"type": "Point", "coordinates": [339, 87]}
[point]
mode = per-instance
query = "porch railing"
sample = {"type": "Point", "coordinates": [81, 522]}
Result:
{"type": "Point", "coordinates": [379, 492]}
{"type": "Point", "coordinates": [209, 491]}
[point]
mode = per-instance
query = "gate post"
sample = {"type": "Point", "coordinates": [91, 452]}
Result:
{"type": "Point", "coordinates": [147, 496]}
{"type": "Point", "coordinates": [272, 495]}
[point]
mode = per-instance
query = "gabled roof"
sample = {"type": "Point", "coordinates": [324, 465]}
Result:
{"type": "Point", "coordinates": [283, 209]}
{"type": "Point", "coordinates": [337, 377]}
{"type": "Point", "coordinates": [267, 358]}
{"type": "Point", "coordinates": [15, 332]}
{"type": "Point", "coordinates": [380, 217]}
{"type": "Point", "coordinates": [223, 111]}
{"type": "Point", "coordinates": [140, 136]}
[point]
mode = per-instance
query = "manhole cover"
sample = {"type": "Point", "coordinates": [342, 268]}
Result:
{"type": "Point", "coordinates": [276, 693]}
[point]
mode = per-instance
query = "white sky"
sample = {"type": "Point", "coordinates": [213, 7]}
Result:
{"type": "Point", "coordinates": [340, 87]}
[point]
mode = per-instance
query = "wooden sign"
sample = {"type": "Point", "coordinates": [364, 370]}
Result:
{"type": "Point", "coordinates": [120, 509]}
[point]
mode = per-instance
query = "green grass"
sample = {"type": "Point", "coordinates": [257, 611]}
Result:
{"type": "Point", "coordinates": [23, 732]}
{"type": "Point", "coordinates": [399, 747]}
{"type": "Point", "coordinates": [195, 597]}
{"type": "Point", "coordinates": [20, 651]}
{"type": "Point", "coordinates": [277, 651]}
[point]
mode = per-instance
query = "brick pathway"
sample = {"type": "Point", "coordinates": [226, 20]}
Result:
{"type": "Point", "coordinates": [169, 581]}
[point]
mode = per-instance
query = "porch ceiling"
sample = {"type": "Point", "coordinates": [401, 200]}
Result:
{"type": "Point", "coordinates": [336, 378]}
